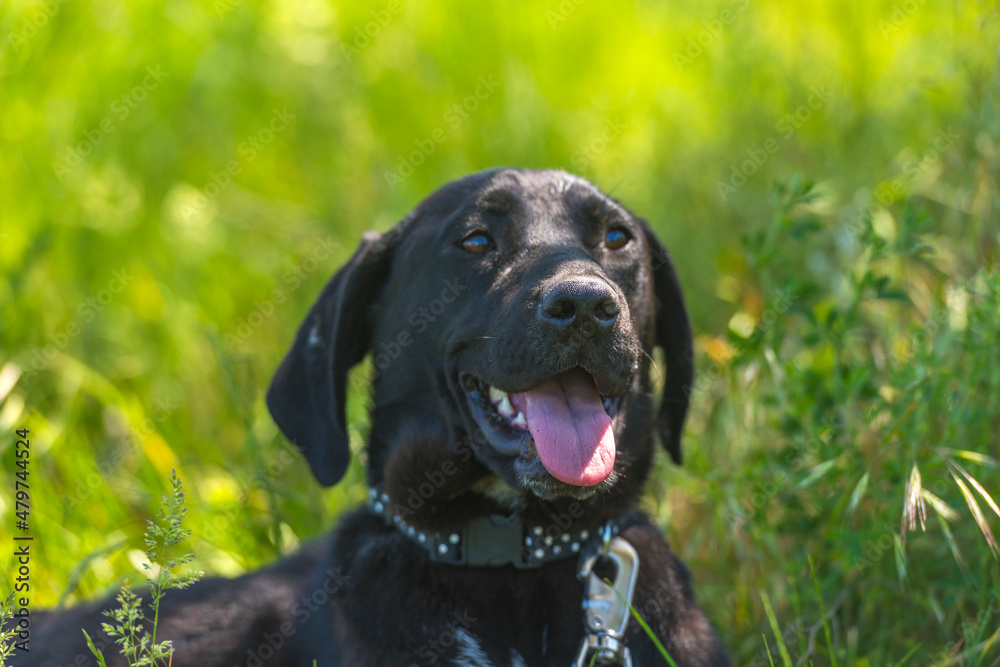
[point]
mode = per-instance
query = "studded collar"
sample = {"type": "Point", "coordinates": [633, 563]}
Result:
{"type": "Point", "coordinates": [491, 541]}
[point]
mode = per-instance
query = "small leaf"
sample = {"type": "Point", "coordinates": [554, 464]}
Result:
{"type": "Point", "coordinates": [817, 472]}
{"type": "Point", "coordinates": [979, 487]}
{"type": "Point", "coordinates": [773, 620]}
{"type": "Point", "coordinates": [940, 506]}
{"type": "Point", "coordinates": [857, 494]}
{"type": "Point", "coordinates": [907, 656]}
{"type": "Point", "coordinates": [977, 514]}
{"type": "Point", "coordinates": [913, 506]}
{"type": "Point", "coordinates": [93, 649]}
{"type": "Point", "coordinates": [973, 456]}
{"type": "Point", "coordinates": [950, 539]}
{"type": "Point", "coordinates": [822, 611]}
{"type": "Point", "coordinates": [900, 553]}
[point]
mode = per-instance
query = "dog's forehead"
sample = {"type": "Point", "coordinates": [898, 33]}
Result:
{"type": "Point", "coordinates": [551, 206]}
{"type": "Point", "coordinates": [538, 186]}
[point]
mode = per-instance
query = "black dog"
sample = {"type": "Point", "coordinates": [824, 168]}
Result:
{"type": "Point", "coordinates": [511, 319]}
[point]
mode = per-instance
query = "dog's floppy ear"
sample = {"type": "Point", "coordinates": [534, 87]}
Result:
{"type": "Point", "coordinates": [307, 397]}
{"type": "Point", "coordinates": [673, 334]}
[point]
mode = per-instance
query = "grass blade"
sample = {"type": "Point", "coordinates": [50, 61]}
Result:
{"type": "Point", "coordinates": [940, 506]}
{"type": "Point", "coordinates": [787, 659]}
{"type": "Point", "coordinates": [899, 552]}
{"type": "Point", "coordinates": [645, 626]}
{"type": "Point", "coordinates": [979, 487]}
{"type": "Point", "coordinates": [822, 611]}
{"type": "Point", "coordinates": [907, 656]}
{"type": "Point", "coordinates": [977, 514]}
{"type": "Point", "coordinates": [93, 649]}
{"type": "Point", "coordinates": [914, 507]}
{"type": "Point", "coordinates": [950, 539]}
{"type": "Point", "coordinates": [975, 457]}
{"type": "Point", "coordinates": [857, 495]}
{"type": "Point", "coordinates": [817, 472]}
{"type": "Point", "coordinates": [770, 658]}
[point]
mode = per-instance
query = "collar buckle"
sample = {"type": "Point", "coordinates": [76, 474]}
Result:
{"type": "Point", "coordinates": [495, 540]}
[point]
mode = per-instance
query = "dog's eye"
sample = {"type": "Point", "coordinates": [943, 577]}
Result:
{"type": "Point", "coordinates": [478, 243]}
{"type": "Point", "coordinates": [616, 238]}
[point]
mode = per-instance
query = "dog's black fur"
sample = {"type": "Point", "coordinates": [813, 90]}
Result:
{"type": "Point", "coordinates": [444, 314]}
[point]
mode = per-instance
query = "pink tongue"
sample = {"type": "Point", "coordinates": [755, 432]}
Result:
{"type": "Point", "coordinates": [572, 431]}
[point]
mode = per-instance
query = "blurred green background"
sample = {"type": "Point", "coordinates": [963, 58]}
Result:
{"type": "Point", "coordinates": [179, 179]}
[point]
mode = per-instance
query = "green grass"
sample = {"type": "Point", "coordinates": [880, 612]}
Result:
{"type": "Point", "coordinates": [840, 265]}
{"type": "Point", "coordinates": [131, 628]}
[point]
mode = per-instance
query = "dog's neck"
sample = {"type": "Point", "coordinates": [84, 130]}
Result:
{"type": "Point", "coordinates": [500, 492]}
{"type": "Point", "coordinates": [494, 540]}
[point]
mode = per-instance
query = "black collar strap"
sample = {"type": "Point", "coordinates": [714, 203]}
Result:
{"type": "Point", "coordinates": [491, 541]}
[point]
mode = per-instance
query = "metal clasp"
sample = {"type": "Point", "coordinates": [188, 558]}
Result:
{"type": "Point", "coordinates": [605, 615]}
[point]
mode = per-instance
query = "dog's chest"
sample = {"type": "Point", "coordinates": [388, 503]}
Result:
{"type": "Point", "coordinates": [470, 653]}
{"type": "Point", "coordinates": [442, 615]}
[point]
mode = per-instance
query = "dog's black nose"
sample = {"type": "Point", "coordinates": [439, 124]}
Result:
{"type": "Point", "coordinates": [579, 302]}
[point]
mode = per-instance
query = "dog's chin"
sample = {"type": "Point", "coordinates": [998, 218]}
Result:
{"type": "Point", "coordinates": [546, 487]}
{"type": "Point", "coordinates": [506, 433]}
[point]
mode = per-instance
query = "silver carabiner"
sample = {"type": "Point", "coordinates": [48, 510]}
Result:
{"type": "Point", "coordinates": [605, 615]}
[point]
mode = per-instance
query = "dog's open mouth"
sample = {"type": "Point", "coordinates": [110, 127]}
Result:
{"type": "Point", "coordinates": [564, 422]}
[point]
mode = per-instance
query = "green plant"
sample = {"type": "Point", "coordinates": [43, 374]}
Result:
{"type": "Point", "coordinates": [129, 628]}
{"type": "Point", "coordinates": [866, 386]}
{"type": "Point", "coordinates": [122, 384]}
{"type": "Point", "coordinates": [7, 634]}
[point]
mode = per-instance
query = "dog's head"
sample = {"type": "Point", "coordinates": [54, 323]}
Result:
{"type": "Point", "coordinates": [511, 319]}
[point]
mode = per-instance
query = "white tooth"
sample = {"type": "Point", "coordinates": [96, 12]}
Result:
{"type": "Point", "coordinates": [520, 421]}
{"type": "Point", "coordinates": [496, 395]}
{"type": "Point", "coordinates": [505, 408]}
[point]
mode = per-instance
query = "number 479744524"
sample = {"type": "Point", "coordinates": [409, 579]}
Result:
{"type": "Point", "coordinates": [22, 451]}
